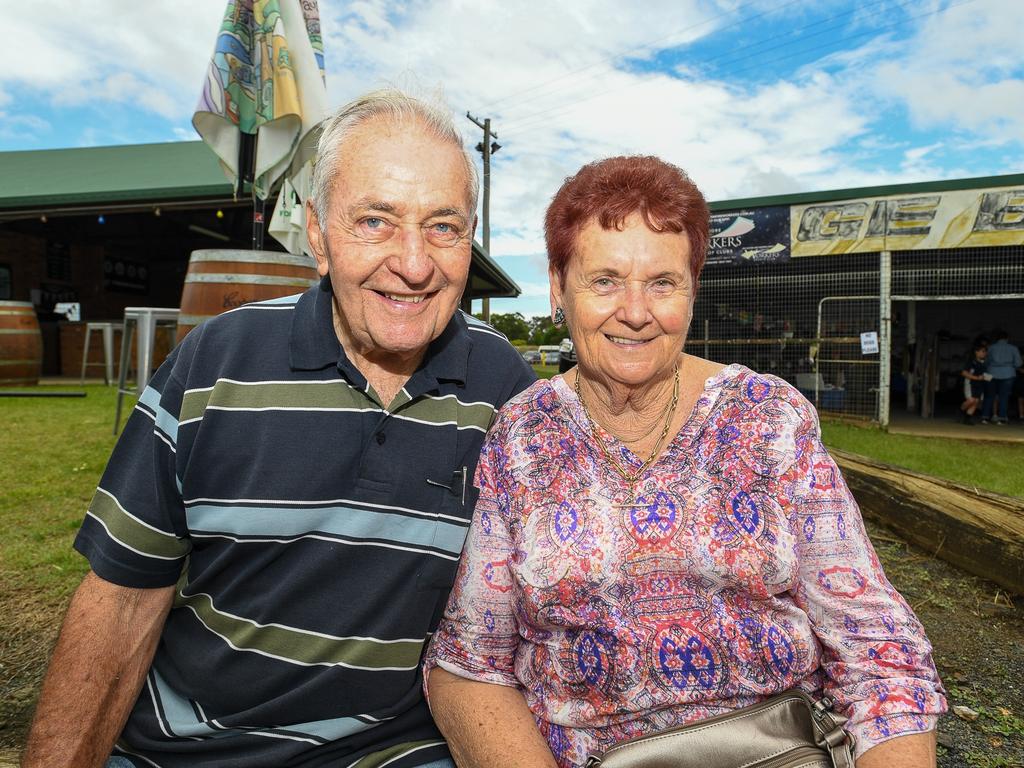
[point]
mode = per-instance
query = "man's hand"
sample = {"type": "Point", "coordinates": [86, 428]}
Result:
{"type": "Point", "coordinates": [104, 651]}
{"type": "Point", "coordinates": [486, 725]}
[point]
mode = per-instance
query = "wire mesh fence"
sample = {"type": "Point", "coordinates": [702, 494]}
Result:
{"type": "Point", "coordinates": [799, 320]}
{"type": "Point", "coordinates": [803, 320]}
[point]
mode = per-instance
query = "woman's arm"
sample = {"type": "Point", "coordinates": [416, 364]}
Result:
{"type": "Point", "coordinates": [486, 724]}
{"type": "Point", "coordinates": [479, 705]}
{"type": "Point", "coordinates": [914, 751]}
{"type": "Point", "coordinates": [875, 655]}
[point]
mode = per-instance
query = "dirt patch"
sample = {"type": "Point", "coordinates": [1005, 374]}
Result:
{"type": "Point", "coordinates": [977, 631]}
{"type": "Point", "coordinates": [28, 632]}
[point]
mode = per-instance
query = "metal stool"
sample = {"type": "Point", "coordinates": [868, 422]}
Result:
{"type": "Point", "coordinates": [107, 329]}
{"type": "Point", "coordinates": [147, 319]}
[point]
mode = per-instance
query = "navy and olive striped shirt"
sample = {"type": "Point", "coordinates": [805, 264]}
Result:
{"type": "Point", "coordinates": [312, 532]}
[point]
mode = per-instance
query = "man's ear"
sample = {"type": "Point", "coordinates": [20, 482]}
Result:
{"type": "Point", "coordinates": [316, 237]}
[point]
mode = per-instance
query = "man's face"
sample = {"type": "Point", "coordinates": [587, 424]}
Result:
{"type": "Point", "coordinates": [397, 241]}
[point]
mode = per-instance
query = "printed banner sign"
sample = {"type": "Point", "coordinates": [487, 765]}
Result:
{"type": "Point", "coordinates": [955, 219]}
{"type": "Point", "coordinates": [751, 235]}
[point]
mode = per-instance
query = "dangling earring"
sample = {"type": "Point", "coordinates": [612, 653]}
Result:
{"type": "Point", "coordinates": [559, 318]}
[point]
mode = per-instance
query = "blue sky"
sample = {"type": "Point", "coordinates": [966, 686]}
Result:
{"type": "Point", "coordinates": [751, 98]}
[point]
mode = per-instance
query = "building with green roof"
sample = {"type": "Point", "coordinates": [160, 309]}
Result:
{"type": "Point", "coordinates": [71, 220]}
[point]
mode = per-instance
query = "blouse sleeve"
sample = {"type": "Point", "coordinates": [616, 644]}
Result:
{"type": "Point", "coordinates": [876, 658]}
{"type": "Point", "coordinates": [478, 636]}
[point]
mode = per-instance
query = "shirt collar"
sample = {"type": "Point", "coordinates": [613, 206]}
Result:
{"type": "Point", "coordinates": [315, 345]}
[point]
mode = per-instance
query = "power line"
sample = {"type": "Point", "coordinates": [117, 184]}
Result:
{"type": "Point", "coordinates": [533, 119]}
{"type": "Point", "coordinates": [626, 52]}
{"type": "Point", "coordinates": [752, 50]}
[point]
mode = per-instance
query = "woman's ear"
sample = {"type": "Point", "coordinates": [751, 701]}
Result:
{"type": "Point", "coordinates": [555, 291]}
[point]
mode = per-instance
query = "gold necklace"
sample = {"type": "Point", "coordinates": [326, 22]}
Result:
{"type": "Point", "coordinates": [631, 478]}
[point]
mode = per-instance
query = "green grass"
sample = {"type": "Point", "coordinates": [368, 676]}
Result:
{"type": "Point", "coordinates": [985, 465]}
{"type": "Point", "coordinates": [545, 371]}
{"type": "Point", "coordinates": [54, 453]}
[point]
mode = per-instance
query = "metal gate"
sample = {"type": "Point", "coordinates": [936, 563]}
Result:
{"type": "Point", "coordinates": [846, 376]}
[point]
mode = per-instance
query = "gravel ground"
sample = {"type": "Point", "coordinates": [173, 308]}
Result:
{"type": "Point", "coordinates": [977, 631]}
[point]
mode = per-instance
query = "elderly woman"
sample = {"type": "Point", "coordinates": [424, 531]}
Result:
{"type": "Point", "coordinates": [660, 538]}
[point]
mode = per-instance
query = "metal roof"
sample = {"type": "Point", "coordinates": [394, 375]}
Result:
{"type": "Point", "coordinates": [189, 169]}
{"type": "Point", "coordinates": [800, 198]}
{"type": "Point", "coordinates": [485, 273]}
{"type": "Point", "coordinates": [55, 178]}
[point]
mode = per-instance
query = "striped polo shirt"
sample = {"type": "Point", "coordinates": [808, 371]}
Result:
{"type": "Point", "coordinates": [312, 532]}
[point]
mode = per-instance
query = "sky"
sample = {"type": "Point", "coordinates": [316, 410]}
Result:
{"type": "Point", "coordinates": [751, 98]}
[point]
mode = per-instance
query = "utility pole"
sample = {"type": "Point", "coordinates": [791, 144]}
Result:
{"type": "Point", "coordinates": [486, 148]}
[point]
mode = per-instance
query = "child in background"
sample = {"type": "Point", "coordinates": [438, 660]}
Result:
{"type": "Point", "coordinates": [974, 382]}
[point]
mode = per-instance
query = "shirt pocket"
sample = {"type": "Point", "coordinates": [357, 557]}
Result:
{"type": "Point", "coordinates": [451, 527]}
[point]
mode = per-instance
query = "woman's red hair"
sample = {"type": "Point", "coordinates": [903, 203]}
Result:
{"type": "Point", "coordinates": [610, 190]}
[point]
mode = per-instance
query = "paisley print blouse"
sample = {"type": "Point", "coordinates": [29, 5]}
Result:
{"type": "Point", "coordinates": [742, 571]}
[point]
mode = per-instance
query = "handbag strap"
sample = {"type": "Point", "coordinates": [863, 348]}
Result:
{"type": "Point", "coordinates": [830, 734]}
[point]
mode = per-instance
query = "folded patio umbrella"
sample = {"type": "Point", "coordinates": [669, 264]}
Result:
{"type": "Point", "coordinates": [265, 81]}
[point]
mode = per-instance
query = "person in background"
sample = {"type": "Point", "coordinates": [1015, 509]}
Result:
{"type": "Point", "coordinates": [275, 536]}
{"type": "Point", "coordinates": [974, 383]}
{"type": "Point", "coordinates": [1003, 361]}
{"type": "Point", "coordinates": [1018, 391]}
{"type": "Point", "coordinates": [660, 538]}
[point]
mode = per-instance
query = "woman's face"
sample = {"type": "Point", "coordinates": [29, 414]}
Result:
{"type": "Point", "coordinates": [628, 299]}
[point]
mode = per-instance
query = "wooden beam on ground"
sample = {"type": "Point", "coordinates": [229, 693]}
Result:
{"type": "Point", "coordinates": [978, 531]}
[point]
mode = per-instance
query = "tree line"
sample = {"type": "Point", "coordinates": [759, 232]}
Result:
{"type": "Point", "coordinates": [533, 330]}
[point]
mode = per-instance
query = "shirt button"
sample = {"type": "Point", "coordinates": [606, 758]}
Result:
{"type": "Point", "coordinates": [381, 437]}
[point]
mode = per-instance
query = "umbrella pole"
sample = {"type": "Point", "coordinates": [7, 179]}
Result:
{"type": "Point", "coordinates": [246, 174]}
{"type": "Point", "coordinates": [259, 208]}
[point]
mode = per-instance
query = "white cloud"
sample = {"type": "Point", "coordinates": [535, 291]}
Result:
{"type": "Point", "coordinates": [152, 54]}
{"type": "Point", "coordinates": [960, 70]}
{"type": "Point", "coordinates": [22, 127]}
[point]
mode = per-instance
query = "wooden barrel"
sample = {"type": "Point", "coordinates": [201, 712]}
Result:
{"type": "Point", "coordinates": [222, 279]}
{"type": "Point", "coordinates": [21, 344]}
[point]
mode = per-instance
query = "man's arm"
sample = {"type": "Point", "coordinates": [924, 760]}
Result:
{"type": "Point", "coordinates": [913, 751]}
{"type": "Point", "coordinates": [104, 651]}
{"type": "Point", "coordinates": [486, 724]}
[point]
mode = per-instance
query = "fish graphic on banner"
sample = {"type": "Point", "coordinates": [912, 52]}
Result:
{"type": "Point", "coordinates": [750, 235]}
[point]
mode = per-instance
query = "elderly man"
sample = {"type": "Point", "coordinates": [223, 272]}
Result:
{"type": "Point", "coordinates": [276, 533]}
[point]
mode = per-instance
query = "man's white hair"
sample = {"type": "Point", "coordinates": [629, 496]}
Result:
{"type": "Point", "coordinates": [398, 107]}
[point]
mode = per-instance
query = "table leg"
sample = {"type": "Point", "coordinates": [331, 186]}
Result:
{"type": "Point", "coordinates": [122, 371]}
{"type": "Point", "coordinates": [108, 354]}
{"type": "Point", "coordinates": [85, 352]}
{"type": "Point", "coordinates": [145, 351]}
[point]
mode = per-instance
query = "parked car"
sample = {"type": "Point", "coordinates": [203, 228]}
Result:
{"type": "Point", "coordinates": [548, 354]}
{"type": "Point", "coordinates": [532, 356]}
{"type": "Point", "coordinates": [566, 355]}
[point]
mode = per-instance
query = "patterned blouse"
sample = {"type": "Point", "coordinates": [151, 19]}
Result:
{"type": "Point", "coordinates": [744, 571]}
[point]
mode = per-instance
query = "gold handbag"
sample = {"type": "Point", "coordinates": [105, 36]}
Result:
{"type": "Point", "coordinates": [790, 730]}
